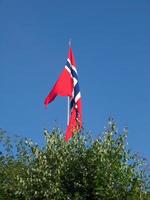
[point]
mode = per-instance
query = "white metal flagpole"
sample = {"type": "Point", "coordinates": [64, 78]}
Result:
{"type": "Point", "coordinates": [68, 99]}
{"type": "Point", "coordinates": [68, 110]}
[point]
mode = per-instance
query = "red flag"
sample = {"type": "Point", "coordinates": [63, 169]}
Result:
{"type": "Point", "coordinates": [75, 122]}
{"type": "Point", "coordinates": [63, 87]}
{"type": "Point", "coordinates": [67, 85]}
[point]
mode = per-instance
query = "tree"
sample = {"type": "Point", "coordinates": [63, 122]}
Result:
{"type": "Point", "coordinates": [81, 169]}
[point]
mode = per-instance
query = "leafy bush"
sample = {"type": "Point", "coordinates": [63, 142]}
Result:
{"type": "Point", "coordinates": [82, 169]}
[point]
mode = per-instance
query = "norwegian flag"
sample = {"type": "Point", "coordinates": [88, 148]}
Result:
{"type": "Point", "coordinates": [68, 85]}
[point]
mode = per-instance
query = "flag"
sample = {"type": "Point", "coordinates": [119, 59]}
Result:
{"type": "Point", "coordinates": [68, 85]}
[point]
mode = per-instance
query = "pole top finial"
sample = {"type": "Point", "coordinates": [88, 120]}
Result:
{"type": "Point", "coordinates": [69, 42]}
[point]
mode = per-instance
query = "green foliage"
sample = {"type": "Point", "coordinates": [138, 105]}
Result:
{"type": "Point", "coordinates": [82, 169]}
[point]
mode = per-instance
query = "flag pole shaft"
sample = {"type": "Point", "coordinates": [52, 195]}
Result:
{"type": "Point", "coordinates": [68, 99]}
{"type": "Point", "coordinates": [68, 109]}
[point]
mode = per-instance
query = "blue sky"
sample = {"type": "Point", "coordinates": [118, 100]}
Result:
{"type": "Point", "coordinates": [111, 43]}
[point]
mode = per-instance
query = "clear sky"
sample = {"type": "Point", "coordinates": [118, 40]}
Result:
{"type": "Point", "coordinates": [111, 43]}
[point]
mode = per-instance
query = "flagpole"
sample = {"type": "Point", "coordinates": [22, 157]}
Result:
{"type": "Point", "coordinates": [68, 99]}
{"type": "Point", "coordinates": [68, 110]}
